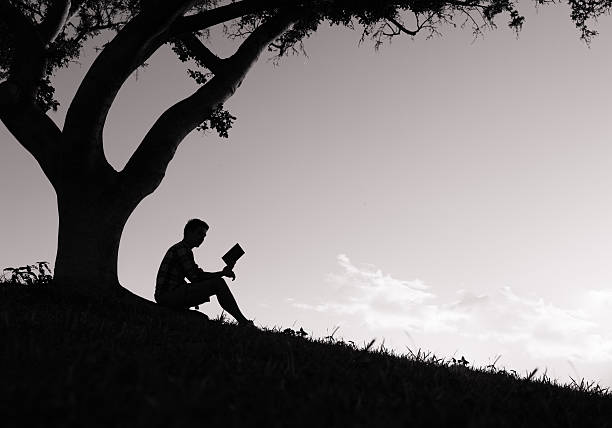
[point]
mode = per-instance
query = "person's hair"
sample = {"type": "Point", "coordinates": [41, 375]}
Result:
{"type": "Point", "coordinates": [194, 224]}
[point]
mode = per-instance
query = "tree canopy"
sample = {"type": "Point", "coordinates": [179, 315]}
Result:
{"type": "Point", "coordinates": [54, 32]}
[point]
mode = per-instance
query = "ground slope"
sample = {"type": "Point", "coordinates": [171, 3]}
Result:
{"type": "Point", "coordinates": [65, 362]}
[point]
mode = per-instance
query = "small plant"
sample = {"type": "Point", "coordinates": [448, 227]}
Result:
{"type": "Point", "coordinates": [38, 273]}
{"type": "Point", "coordinates": [462, 362]}
{"type": "Point", "coordinates": [297, 333]}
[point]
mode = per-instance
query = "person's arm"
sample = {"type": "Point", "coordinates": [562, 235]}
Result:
{"type": "Point", "coordinates": [193, 272]}
{"type": "Point", "coordinates": [227, 271]}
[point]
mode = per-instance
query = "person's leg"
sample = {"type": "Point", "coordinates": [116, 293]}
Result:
{"type": "Point", "coordinates": [180, 298]}
{"type": "Point", "coordinates": [226, 299]}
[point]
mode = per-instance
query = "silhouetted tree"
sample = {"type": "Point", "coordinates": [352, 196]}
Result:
{"type": "Point", "coordinates": [94, 200]}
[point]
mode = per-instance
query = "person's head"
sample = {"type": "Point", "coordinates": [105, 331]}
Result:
{"type": "Point", "coordinates": [194, 232]}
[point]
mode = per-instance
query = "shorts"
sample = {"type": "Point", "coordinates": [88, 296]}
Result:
{"type": "Point", "coordinates": [189, 294]}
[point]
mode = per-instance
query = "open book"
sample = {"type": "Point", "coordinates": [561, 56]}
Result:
{"type": "Point", "coordinates": [231, 257]}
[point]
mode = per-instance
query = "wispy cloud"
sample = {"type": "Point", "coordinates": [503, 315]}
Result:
{"type": "Point", "coordinates": [541, 328]}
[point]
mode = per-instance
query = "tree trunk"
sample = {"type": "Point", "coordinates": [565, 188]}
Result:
{"type": "Point", "coordinates": [91, 221]}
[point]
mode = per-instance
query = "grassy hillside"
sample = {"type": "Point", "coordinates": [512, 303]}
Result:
{"type": "Point", "coordinates": [65, 363]}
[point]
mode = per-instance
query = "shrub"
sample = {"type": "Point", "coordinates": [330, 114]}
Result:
{"type": "Point", "coordinates": [38, 273]}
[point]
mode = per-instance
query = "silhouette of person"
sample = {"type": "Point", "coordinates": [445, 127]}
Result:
{"type": "Point", "coordinates": [171, 289]}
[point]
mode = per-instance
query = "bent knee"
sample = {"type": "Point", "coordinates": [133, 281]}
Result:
{"type": "Point", "coordinates": [219, 285]}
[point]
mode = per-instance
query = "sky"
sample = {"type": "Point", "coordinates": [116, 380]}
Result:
{"type": "Point", "coordinates": [449, 195]}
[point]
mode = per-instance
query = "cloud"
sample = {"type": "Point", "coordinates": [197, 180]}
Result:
{"type": "Point", "coordinates": [540, 328]}
{"type": "Point", "coordinates": [371, 284]}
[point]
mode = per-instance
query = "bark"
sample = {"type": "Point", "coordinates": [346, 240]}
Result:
{"type": "Point", "coordinates": [128, 50]}
{"type": "Point", "coordinates": [92, 214]}
{"type": "Point", "coordinates": [57, 14]}
{"type": "Point", "coordinates": [87, 247]}
{"type": "Point", "coordinates": [200, 21]}
{"type": "Point", "coordinates": [36, 132]}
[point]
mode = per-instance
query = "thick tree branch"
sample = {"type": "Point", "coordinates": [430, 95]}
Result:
{"type": "Point", "coordinates": [75, 5]}
{"type": "Point", "coordinates": [202, 54]}
{"type": "Point", "coordinates": [81, 34]}
{"type": "Point", "coordinates": [212, 17]}
{"type": "Point", "coordinates": [221, 14]}
{"type": "Point", "coordinates": [32, 128]}
{"type": "Point", "coordinates": [147, 166]}
{"type": "Point", "coordinates": [469, 3]}
{"type": "Point", "coordinates": [136, 42]}
{"type": "Point", "coordinates": [57, 15]}
{"type": "Point", "coordinates": [401, 28]}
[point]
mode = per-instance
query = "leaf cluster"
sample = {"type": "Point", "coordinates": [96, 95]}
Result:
{"type": "Point", "coordinates": [585, 12]}
{"type": "Point", "coordinates": [89, 20]}
{"type": "Point", "coordinates": [384, 19]}
{"type": "Point", "coordinates": [220, 120]}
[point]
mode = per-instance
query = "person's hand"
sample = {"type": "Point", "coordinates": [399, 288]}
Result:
{"type": "Point", "coordinates": [228, 272]}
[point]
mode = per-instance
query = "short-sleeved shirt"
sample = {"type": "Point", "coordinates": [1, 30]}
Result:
{"type": "Point", "coordinates": [177, 264]}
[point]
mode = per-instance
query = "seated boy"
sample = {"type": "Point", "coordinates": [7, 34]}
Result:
{"type": "Point", "coordinates": [173, 291]}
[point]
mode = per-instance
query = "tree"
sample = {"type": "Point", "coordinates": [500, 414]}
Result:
{"type": "Point", "coordinates": [94, 200]}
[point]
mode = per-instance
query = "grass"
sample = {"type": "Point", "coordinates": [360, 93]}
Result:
{"type": "Point", "coordinates": [66, 362]}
